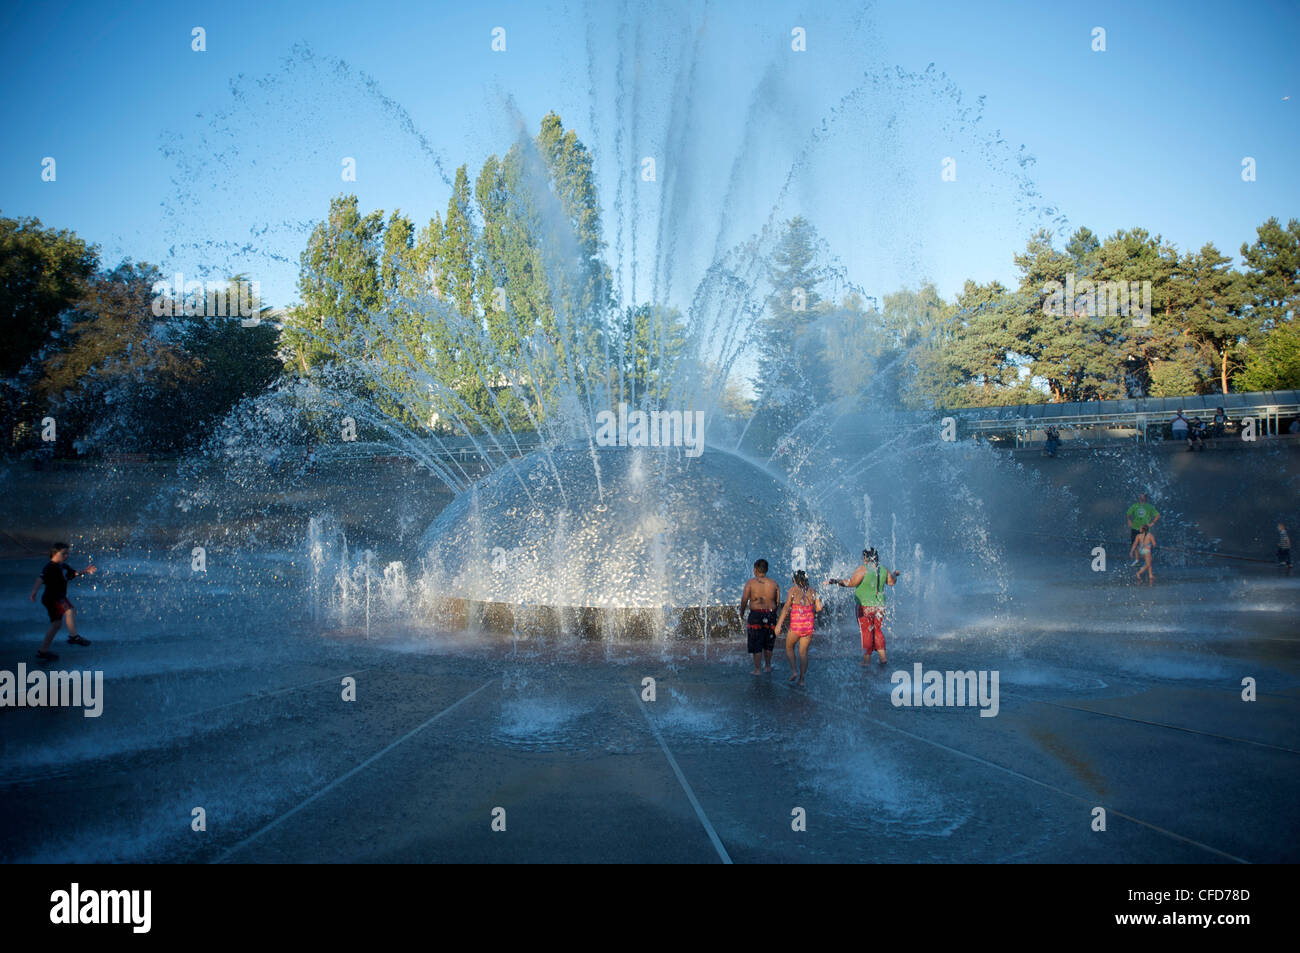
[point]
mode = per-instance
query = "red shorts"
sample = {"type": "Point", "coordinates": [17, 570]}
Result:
{"type": "Point", "coordinates": [57, 608]}
{"type": "Point", "coordinates": [871, 621]}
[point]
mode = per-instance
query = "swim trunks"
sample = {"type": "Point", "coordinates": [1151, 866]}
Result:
{"type": "Point", "coordinates": [762, 631]}
{"type": "Point", "coordinates": [56, 608]}
{"type": "Point", "coordinates": [871, 623]}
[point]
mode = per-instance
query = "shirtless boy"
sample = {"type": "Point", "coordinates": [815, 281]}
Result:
{"type": "Point", "coordinates": [761, 596]}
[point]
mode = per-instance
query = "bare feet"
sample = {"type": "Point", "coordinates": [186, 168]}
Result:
{"type": "Point", "coordinates": [801, 682]}
{"type": "Point", "coordinates": [866, 661]}
{"type": "Point", "coordinates": [794, 678]}
{"type": "Point", "coordinates": [768, 670]}
{"type": "Point", "coordinates": [882, 661]}
{"type": "Point", "coordinates": [755, 672]}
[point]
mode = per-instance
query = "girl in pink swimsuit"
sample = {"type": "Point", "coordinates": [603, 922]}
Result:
{"type": "Point", "coordinates": [801, 605]}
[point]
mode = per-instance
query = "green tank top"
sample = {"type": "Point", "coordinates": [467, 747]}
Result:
{"type": "Point", "coordinates": [871, 590]}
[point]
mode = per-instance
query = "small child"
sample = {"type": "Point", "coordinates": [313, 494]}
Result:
{"type": "Point", "coordinates": [801, 605]}
{"type": "Point", "coordinates": [1283, 548]}
{"type": "Point", "coordinates": [1143, 543]}
{"type": "Point", "coordinates": [55, 578]}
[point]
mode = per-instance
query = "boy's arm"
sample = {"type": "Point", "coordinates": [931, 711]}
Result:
{"type": "Point", "coordinates": [36, 587]}
{"type": "Point", "coordinates": [744, 600]}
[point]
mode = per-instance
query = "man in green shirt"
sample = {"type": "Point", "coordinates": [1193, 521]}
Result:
{"type": "Point", "coordinates": [1140, 514]}
{"type": "Point", "coordinates": [868, 583]}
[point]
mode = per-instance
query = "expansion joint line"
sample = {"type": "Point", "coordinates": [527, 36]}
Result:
{"type": "Point", "coordinates": [357, 770]}
{"type": "Point", "coordinates": [681, 778]}
{"type": "Point", "coordinates": [1024, 777]}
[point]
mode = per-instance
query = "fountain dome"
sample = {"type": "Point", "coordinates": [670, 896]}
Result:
{"type": "Point", "coordinates": [623, 528]}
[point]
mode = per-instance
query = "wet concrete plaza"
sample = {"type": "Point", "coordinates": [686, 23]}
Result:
{"type": "Point", "coordinates": [225, 697]}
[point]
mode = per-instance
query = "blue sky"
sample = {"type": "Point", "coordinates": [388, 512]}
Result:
{"type": "Point", "coordinates": [222, 159]}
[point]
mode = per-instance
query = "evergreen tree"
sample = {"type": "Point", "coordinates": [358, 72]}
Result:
{"type": "Point", "coordinates": [1206, 298]}
{"type": "Point", "coordinates": [340, 285]}
{"type": "Point", "coordinates": [792, 375]}
{"type": "Point", "coordinates": [1272, 287]}
{"type": "Point", "coordinates": [1275, 363]}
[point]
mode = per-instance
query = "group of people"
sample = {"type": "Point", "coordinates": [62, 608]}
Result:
{"type": "Point", "coordinates": [762, 595]}
{"type": "Point", "coordinates": [1196, 430]}
{"type": "Point", "coordinates": [1143, 516]}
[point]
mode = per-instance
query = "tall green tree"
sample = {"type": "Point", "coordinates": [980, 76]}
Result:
{"type": "Point", "coordinates": [1206, 298]}
{"type": "Point", "coordinates": [114, 379]}
{"type": "Point", "coordinates": [574, 183]}
{"type": "Point", "coordinates": [654, 340]}
{"type": "Point", "coordinates": [43, 272]}
{"type": "Point", "coordinates": [1275, 363]}
{"type": "Point", "coordinates": [340, 285]}
{"type": "Point", "coordinates": [1072, 347]}
{"type": "Point", "coordinates": [792, 376]}
{"type": "Point", "coordinates": [1272, 286]}
{"type": "Point", "coordinates": [915, 327]}
{"type": "Point", "coordinates": [1153, 349]}
{"type": "Point", "coordinates": [852, 346]}
{"type": "Point", "coordinates": [230, 358]}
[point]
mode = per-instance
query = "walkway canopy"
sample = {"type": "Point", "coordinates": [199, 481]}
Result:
{"type": "Point", "coordinates": [1140, 415]}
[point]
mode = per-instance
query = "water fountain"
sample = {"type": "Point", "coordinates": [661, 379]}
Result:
{"type": "Point", "coordinates": [552, 531]}
{"type": "Point", "coordinates": [583, 533]}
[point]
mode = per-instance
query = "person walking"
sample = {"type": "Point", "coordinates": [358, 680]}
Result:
{"type": "Point", "coordinates": [869, 582]}
{"type": "Point", "coordinates": [801, 605]}
{"type": "Point", "coordinates": [1140, 513]}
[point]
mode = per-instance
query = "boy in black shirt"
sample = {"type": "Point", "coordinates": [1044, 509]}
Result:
{"type": "Point", "coordinates": [55, 578]}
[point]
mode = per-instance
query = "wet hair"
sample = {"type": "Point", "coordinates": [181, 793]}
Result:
{"type": "Point", "coordinates": [1144, 528]}
{"type": "Point", "coordinates": [801, 579]}
{"type": "Point", "coordinates": [870, 555]}
{"type": "Point", "coordinates": [760, 564]}
{"type": "Point", "coordinates": [59, 548]}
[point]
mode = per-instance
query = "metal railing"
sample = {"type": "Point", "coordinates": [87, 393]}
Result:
{"type": "Point", "coordinates": [1140, 425]}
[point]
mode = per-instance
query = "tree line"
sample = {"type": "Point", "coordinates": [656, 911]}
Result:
{"type": "Point", "coordinates": [501, 312]}
{"type": "Point", "coordinates": [1192, 324]}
